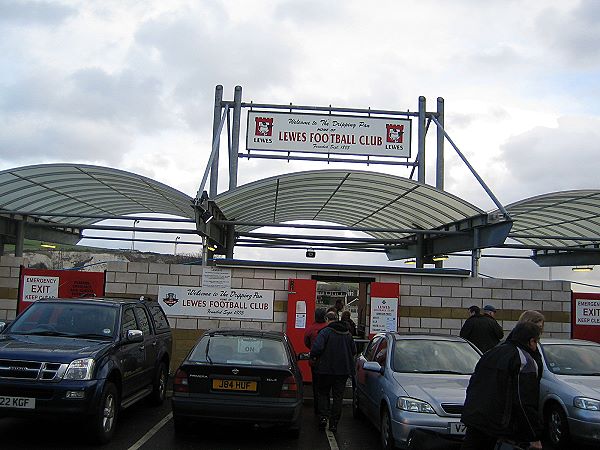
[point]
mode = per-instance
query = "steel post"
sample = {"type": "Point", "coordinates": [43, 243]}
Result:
{"type": "Point", "coordinates": [421, 139]}
{"type": "Point", "coordinates": [20, 241]}
{"type": "Point", "coordinates": [214, 168]}
{"type": "Point", "coordinates": [235, 138]}
{"type": "Point", "coordinates": [439, 167]}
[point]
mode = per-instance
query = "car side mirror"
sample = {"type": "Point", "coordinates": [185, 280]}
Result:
{"type": "Point", "coordinates": [373, 366]}
{"type": "Point", "coordinates": [303, 356]}
{"type": "Point", "coordinates": [135, 336]}
{"type": "Point", "coordinates": [2, 326]}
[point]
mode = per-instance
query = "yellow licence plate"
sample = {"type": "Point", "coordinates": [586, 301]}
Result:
{"type": "Point", "coordinates": [234, 385]}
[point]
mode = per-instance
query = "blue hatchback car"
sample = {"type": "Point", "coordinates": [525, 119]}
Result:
{"type": "Point", "coordinates": [406, 382]}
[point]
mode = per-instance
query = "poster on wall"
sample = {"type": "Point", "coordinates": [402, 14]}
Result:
{"type": "Point", "coordinates": [216, 277]}
{"type": "Point", "coordinates": [216, 302]}
{"type": "Point", "coordinates": [585, 316]}
{"type": "Point", "coordinates": [35, 284]}
{"type": "Point", "coordinates": [384, 314]}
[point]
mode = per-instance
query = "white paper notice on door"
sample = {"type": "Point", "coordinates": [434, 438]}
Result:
{"type": "Point", "coordinates": [300, 320]}
{"type": "Point", "coordinates": [301, 307]}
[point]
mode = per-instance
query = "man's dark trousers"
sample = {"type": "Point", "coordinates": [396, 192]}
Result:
{"type": "Point", "coordinates": [476, 440]}
{"type": "Point", "coordinates": [336, 384]}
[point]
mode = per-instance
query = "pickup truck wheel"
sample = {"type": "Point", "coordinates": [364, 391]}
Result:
{"type": "Point", "coordinates": [159, 389]}
{"type": "Point", "coordinates": [105, 418]}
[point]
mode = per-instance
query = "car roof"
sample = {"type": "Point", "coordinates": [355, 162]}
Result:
{"type": "Point", "coordinates": [245, 332]}
{"type": "Point", "coordinates": [551, 341]}
{"type": "Point", "coordinates": [97, 300]}
{"type": "Point", "coordinates": [425, 336]}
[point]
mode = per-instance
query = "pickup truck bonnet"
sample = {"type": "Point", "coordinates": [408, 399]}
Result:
{"type": "Point", "coordinates": [48, 348]}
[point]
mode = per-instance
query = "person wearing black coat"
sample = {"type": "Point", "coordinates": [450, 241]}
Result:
{"type": "Point", "coordinates": [503, 394]}
{"type": "Point", "coordinates": [334, 351]}
{"type": "Point", "coordinates": [482, 330]}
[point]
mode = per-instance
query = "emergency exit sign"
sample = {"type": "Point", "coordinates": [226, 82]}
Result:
{"type": "Point", "coordinates": [36, 287]}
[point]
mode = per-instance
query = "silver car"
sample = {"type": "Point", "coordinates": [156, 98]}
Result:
{"type": "Point", "coordinates": [406, 382]}
{"type": "Point", "coordinates": [570, 391]}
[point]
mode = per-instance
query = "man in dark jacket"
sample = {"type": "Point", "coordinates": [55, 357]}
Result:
{"type": "Point", "coordinates": [309, 337]}
{"type": "Point", "coordinates": [503, 394]}
{"type": "Point", "coordinates": [482, 330]}
{"type": "Point", "coordinates": [334, 350]}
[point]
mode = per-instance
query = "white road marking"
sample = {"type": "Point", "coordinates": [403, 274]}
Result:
{"type": "Point", "coordinates": [332, 442]}
{"type": "Point", "coordinates": [145, 438]}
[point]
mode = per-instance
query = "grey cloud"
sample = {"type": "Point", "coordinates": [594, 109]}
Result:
{"type": "Point", "coordinates": [575, 35]}
{"type": "Point", "coordinates": [26, 12]}
{"type": "Point", "coordinates": [31, 137]}
{"type": "Point", "coordinates": [122, 98]}
{"type": "Point", "coordinates": [249, 54]}
{"type": "Point", "coordinates": [544, 159]}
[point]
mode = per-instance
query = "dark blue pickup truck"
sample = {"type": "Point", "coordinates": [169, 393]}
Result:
{"type": "Point", "coordinates": [84, 358]}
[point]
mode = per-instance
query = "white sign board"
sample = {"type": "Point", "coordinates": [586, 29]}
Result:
{"type": "Point", "coordinates": [36, 287]}
{"type": "Point", "coordinates": [587, 312]}
{"type": "Point", "coordinates": [324, 133]}
{"type": "Point", "coordinates": [384, 314]}
{"type": "Point", "coordinates": [216, 277]}
{"type": "Point", "coordinates": [216, 303]}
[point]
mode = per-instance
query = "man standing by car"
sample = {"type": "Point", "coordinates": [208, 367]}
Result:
{"type": "Point", "coordinates": [482, 330]}
{"type": "Point", "coordinates": [503, 393]}
{"type": "Point", "coordinates": [334, 351]}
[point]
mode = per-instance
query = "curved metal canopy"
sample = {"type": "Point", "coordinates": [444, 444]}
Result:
{"type": "Point", "coordinates": [349, 198]}
{"type": "Point", "coordinates": [545, 219]}
{"type": "Point", "coordinates": [87, 190]}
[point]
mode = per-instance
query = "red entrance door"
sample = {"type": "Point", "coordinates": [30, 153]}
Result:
{"type": "Point", "coordinates": [302, 299]}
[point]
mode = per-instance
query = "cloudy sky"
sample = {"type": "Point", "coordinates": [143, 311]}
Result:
{"type": "Point", "coordinates": [130, 85]}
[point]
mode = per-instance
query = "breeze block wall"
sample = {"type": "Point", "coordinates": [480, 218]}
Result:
{"type": "Point", "coordinates": [10, 268]}
{"type": "Point", "coordinates": [428, 303]}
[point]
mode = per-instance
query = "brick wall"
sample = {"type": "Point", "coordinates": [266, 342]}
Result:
{"type": "Point", "coordinates": [428, 303]}
{"type": "Point", "coordinates": [9, 285]}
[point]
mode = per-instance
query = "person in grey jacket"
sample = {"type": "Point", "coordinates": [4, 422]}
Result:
{"type": "Point", "coordinates": [334, 351]}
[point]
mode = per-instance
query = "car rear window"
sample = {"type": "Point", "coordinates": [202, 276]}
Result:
{"type": "Point", "coordinates": [434, 356]}
{"type": "Point", "coordinates": [256, 351]}
{"type": "Point", "coordinates": [572, 359]}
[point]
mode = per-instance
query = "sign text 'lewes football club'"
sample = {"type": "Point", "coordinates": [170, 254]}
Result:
{"type": "Point", "coordinates": [216, 302]}
{"type": "Point", "coordinates": [324, 133]}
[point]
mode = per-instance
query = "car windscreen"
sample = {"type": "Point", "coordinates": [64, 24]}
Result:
{"type": "Point", "coordinates": [227, 349]}
{"type": "Point", "coordinates": [572, 358]}
{"type": "Point", "coordinates": [91, 321]}
{"type": "Point", "coordinates": [434, 356]}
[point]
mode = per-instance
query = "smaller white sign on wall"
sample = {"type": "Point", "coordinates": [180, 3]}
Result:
{"type": "Point", "coordinates": [587, 312]}
{"type": "Point", "coordinates": [36, 287]}
{"type": "Point", "coordinates": [384, 314]}
{"type": "Point", "coordinates": [216, 277]}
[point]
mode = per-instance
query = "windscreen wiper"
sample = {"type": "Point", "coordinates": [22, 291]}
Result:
{"type": "Point", "coordinates": [44, 333]}
{"type": "Point", "coordinates": [451, 372]}
{"type": "Point", "coordinates": [90, 336]}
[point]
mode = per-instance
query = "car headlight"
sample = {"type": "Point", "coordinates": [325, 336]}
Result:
{"type": "Point", "coordinates": [586, 403]}
{"type": "Point", "coordinates": [80, 369]}
{"type": "Point", "coordinates": [414, 405]}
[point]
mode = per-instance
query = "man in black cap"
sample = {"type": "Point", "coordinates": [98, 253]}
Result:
{"type": "Point", "coordinates": [482, 330]}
